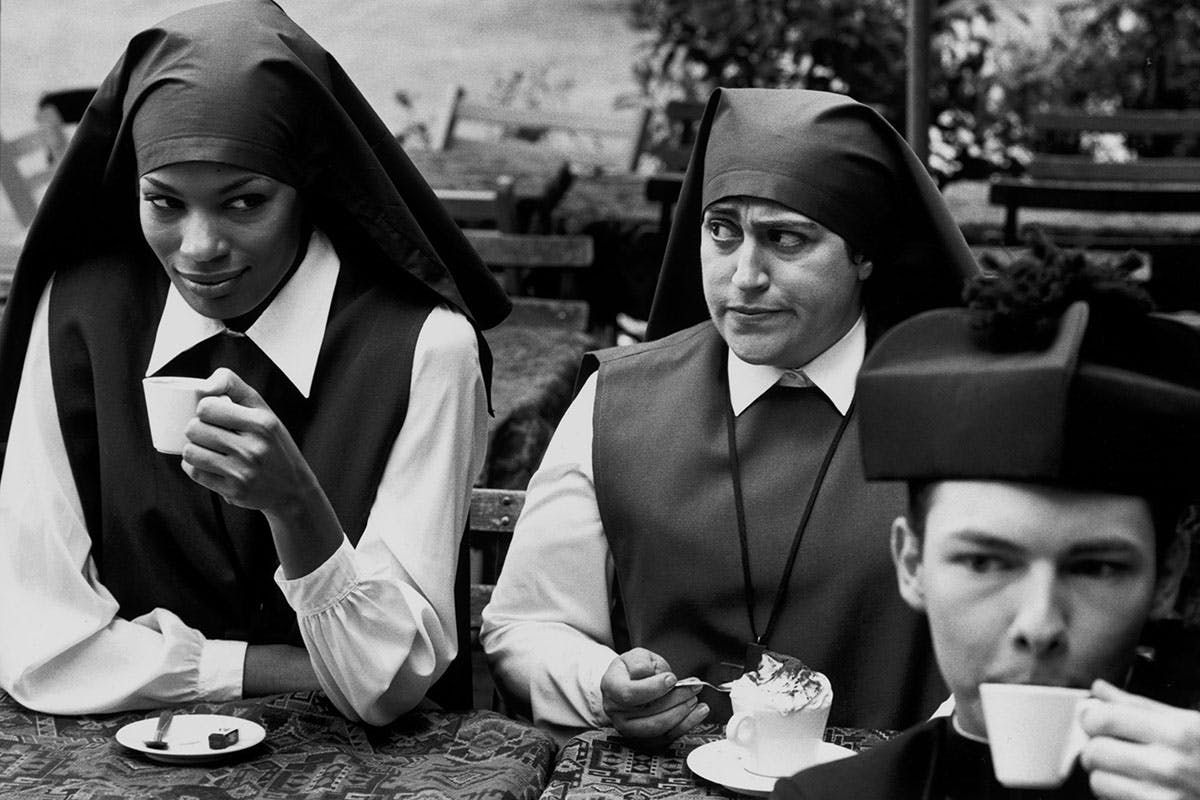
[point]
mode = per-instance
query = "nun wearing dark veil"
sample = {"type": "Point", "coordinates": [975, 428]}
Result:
{"type": "Point", "coordinates": [703, 498]}
{"type": "Point", "coordinates": [231, 209]}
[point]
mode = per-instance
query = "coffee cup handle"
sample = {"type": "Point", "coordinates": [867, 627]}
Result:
{"type": "Point", "coordinates": [740, 729]}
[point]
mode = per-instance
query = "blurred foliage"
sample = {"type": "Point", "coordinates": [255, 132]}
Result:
{"type": "Point", "coordinates": [992, 62]}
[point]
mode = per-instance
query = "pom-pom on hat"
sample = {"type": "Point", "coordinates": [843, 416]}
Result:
{"type": "Point", "coordinates": [1111, 402]}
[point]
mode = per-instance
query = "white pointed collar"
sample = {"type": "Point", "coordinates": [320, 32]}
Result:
{"type": "Point", "coordinates": [289, 331]}
{"type": "Point", "coordinates": [834, 372]}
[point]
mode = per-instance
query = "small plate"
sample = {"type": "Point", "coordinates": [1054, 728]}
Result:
{"type": "Point", "coordinates": [721, 762]}
{"type": "Point", "coordinates": [187, 738]}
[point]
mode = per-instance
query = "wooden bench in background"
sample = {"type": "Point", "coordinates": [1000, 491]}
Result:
{"type": "Point", "coordinates": [515, 254]}
{"type": "Point", "coordinates": [629, 131]}
{"type": "Point", "coordinates": [1079, 183]}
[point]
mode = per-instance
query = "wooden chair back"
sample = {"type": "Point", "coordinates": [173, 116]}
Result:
{"type": "Point", "coordinates": [25, 170]}
{"type": "Point", "coordinates": [682, 118]}
{"type": "Point", "coordinates": [490, 525]}
{"type": "Point", "coordinates": [630, 130]}
{"type": "Point", "coordinates": [482, 208]}
{"type": "Point", "coordinates": [27, 161]}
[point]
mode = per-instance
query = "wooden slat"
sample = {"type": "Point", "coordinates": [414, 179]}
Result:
{"type": "Point", "coordinates": [538, 118]}
{"type": "Point", "coordinates": [541, 312]}
{"type": "Point", "coordinates": [1127, 121]}
{"type": "Point", "coordinates": [495, 511]}
{"type": "Point", "coordinates": [473, 207]}
{"type": "Point", "coordinates": [1096, 195]}
{"type": "Point", "coordinates": [1077, 168]}
{"type": "Point", "coordinates": [531, 250]}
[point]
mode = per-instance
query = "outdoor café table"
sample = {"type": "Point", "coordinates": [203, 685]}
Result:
{"type": "Point", "coordinates": [310, 751]}
{"type": "Point", "coordinates": [601, 764]}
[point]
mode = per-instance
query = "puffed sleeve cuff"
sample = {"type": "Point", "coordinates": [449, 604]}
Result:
{"type": "Point", "coordinates": [222, 663]}
{"type": "Point", "coordinates": [591, 690]}
{"type": "Point", "coordinates": [325, 586]}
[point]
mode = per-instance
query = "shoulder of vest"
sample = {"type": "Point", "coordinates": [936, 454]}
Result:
{"type": "Point", "coordinates": [595, 359]}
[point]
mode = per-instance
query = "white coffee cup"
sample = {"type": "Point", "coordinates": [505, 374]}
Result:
{"type": "Point", "coordinates": [776, 744]}
{"type": "Point", "coordinates": [1033, 732]}
{"type": "Point", "coordinates": [170, 406]}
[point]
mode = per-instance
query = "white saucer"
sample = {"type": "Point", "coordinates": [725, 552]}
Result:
{"type": "Point", "coordinates": [187, 738]}
{"type": "Point", "coordinates": [721, 762]}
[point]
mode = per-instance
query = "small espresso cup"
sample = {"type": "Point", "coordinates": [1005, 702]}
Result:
{"type": "Point", "coordinates": [1033, 732]}
{"type": "Point", "coordinates": [775, 744]}
{"type": "Point", "coordinates": [170, 406]}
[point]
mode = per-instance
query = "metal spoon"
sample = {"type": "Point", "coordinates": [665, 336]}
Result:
{"type": "Point", "coordinates": [693, 681]}
{"type": "Point", "coordinates": [160, 731]}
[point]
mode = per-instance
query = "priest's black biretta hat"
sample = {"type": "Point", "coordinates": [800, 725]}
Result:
{"type": "Point", "coordinates": [1111, 404]}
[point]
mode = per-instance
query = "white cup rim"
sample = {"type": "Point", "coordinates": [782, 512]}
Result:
{"type": "Point", "coordinates": [1033, 688]}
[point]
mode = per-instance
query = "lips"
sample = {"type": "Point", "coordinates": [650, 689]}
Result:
{"type": "Point", "coordinates": [211, 284]}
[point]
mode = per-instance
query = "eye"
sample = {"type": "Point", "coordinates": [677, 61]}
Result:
{"type": "Point", "coordinates": [246, 202]}
{"type": "Point", "coordinates": [786, 239]}
{"type": "Point", "coordinates": [1098, 568]}
{"type": "Point", "coordinates": [722, 230]}
{"type": "Point", "coordinates": [983, 563]}
{"type": "Point", "coordinates": [162, 202]}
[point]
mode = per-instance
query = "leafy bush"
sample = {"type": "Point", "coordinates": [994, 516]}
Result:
{"type": "Point", "coordinates": [993, 62]}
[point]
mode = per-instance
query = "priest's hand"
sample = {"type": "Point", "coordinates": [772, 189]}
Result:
{"type": "Point", "coordinates": [1139, 748]}
{"type": "Point", "coordinates": [239, 448]}
{"type": "Point", "coordinates": [641, 700]}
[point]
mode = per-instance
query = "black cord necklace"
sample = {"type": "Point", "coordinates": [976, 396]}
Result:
{"type": "Point", "coordinates": [761, 641]}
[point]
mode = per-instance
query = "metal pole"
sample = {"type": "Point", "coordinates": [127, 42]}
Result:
{"type": "Point", "coordinates": [917, 99]}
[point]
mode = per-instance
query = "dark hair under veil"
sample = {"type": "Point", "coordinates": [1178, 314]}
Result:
{"type": "Point", "coordinates": [245, 59]}
{"type": "Point", "coordinates": [837, 162]}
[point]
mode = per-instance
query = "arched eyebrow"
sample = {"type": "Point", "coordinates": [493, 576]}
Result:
{"type": "Point", "coordinates": [226, 189]}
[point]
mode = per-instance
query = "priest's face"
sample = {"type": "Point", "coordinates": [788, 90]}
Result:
{"type": "Point", "coordinates": [227, 237]}
{"type": "Point", "coordinates": [1028, 584]}
{"type": "Point", "coordinates": [780, 287]}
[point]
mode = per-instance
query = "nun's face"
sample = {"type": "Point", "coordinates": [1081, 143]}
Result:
{"type": "Point", "coordinates": [226, 236]}
{"type": "Point", "coordinates": [780, 288]}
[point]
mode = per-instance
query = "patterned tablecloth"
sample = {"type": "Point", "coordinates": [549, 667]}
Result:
{"type": "Point", "coordinates": [310, 751]}
{"type": "Point", "coordinates": [600, 764]}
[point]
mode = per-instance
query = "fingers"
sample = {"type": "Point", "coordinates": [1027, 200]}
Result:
{"type": "Point", "coordinates": [1109, 786]}
{"type": "Point", "coordinates": [1106, 691]}
{"type": "Point", "coordinates": [223, 412]}
{"type": "Point", "coordinates": [1140, 748]}
{"type": "Point", "coordinates": [641, 700]}
{"type": "Point", "coordinates": [225, 381]}
{"type": "Point", "coordinates": [636, 678]}
{"type": "Point", "coordinates": [1121, 715]}
{"type": "Point", "coordinates": [680, 714]}
{"type": "Point", "coordinates": [642, 663]}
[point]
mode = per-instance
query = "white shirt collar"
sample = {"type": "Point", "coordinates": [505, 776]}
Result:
{"type": "Point", "coordinates": [834, 372]}
{"type": "Point", "coordinates": [289, 331]}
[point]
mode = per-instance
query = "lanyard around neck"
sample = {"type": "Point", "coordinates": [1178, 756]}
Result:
{"type": "Point", "coordinates": [735, 472]}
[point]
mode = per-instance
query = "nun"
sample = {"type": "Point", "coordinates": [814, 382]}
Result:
{"type": "Point", "coordinates": [703, 498]}
{"type": "Point", "coordinates": [231, 209]}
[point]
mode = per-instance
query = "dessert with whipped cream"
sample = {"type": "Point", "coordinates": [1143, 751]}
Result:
{"type": "Point", "coordinates": [779, 715]}
{"type": "Point", "coordinates": [783, 684]}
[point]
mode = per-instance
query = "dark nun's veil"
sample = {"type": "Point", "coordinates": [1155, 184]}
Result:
{"type": "Point", "coordinates": [245, 60]}
{"type": "Point", "coordinates": [837, 162]}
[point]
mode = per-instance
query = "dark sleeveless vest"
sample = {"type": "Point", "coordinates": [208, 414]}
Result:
{"type": "Point", "coordinates": [663, 487]}
{"type": "Point", "coordinates": [158, 538]}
